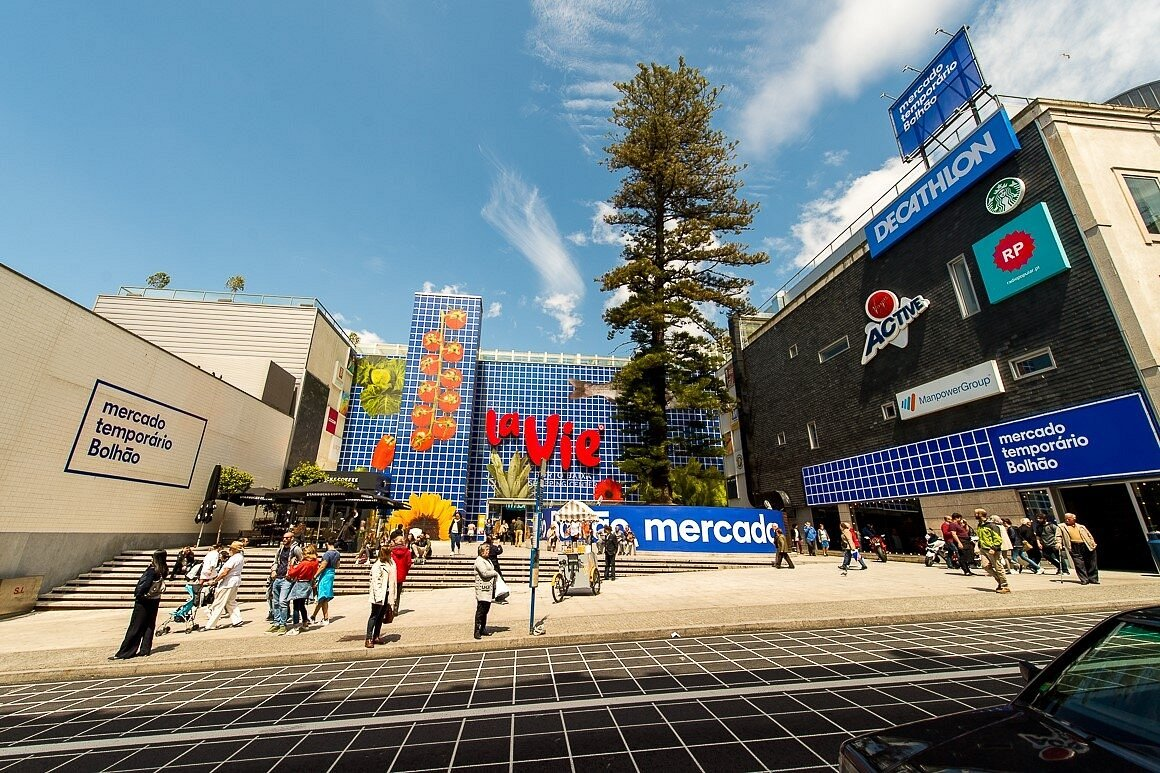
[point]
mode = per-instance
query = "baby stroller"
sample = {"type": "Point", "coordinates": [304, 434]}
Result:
{"type": "Point", "coordinates": [173, 619]}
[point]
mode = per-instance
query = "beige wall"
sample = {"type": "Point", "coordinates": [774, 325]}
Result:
{"type": "Point", "coordinates": [329, 354]}
{"type": "Point", "coordinates": [58, 523]}
{"type": "Point", "coordinates": [1093, 145]}
{"type": "Point", "coordinates": [235, 340]}
{"type": "Point", "coordinates": [1004, 503]}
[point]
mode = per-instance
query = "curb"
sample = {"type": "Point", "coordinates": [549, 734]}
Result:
{"type": "Point", "coordinates": [133, 669]}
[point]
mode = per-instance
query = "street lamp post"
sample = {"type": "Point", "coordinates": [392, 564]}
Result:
{"type": "Point", "coordinates": [534, 561]}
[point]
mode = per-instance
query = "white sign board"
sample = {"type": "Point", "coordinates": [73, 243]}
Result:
{"type": "Point", "coordinates": [128, 436]}
{"type": "Point", "coordinates": [956, 389]}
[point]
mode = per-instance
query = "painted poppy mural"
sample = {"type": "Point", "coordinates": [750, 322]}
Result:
{"type": "Point", "coordinates": [608, 490]}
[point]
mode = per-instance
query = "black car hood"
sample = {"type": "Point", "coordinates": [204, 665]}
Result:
{"type": "Point", "coordinates": [1009, 738]}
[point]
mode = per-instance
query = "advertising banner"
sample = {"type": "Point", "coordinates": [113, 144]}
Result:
{"type": "Point", "coordinates": [950, 81]}
{"type": "Point", "coordinates": [1021, 254]}
{"type": "Point", "coordinates": [128, 436]}
{"type": "Point", "coordinates": [969, 162]}
{"type": "Point", "coordinates": [966, 386]}
{"type": "Point", "coordinates": [678, 529]}
{"type": "Point", "coordinates": [1112, 438]}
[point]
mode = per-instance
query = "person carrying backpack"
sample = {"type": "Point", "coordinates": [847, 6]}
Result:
{"type": "Point", "coordinates": [990, 534]}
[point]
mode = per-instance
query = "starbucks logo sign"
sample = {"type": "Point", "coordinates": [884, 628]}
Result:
{"type": "Point", "coordinates": [1005, 195]}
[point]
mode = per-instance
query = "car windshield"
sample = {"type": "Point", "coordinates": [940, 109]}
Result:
{"type": "Point", "coordinates": [1112, 690]}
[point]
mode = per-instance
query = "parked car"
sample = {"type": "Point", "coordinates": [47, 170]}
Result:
{"type": "Point", "coordinates": [1096, 707]}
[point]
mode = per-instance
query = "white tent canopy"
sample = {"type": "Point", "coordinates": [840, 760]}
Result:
{"type": "Point", "coordinates": [575, 509]}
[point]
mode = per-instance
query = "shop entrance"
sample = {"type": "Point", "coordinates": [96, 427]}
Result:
{"type": "Point", "coordinates": [507, 513]}
{"type": "Point", "coordinates": [900, 520]}
{"type": "Point", "coordinates": [1109, 512]}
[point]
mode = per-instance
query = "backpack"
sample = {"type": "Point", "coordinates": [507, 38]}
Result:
{"type": "Point", "coordinates": [989, 537]}
{"type": "Point", "coordinates": [156, 589]}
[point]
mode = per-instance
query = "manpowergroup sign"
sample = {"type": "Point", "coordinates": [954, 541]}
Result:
{"type": "Point", "coordinates": [129, 436]}
{"type": "Point", "coordinates": [679, 529]}
{"type": "Point", "coordinates": [1021, 254]}
{"type": "Point", "coordinates": [966, 386]}
{"type": "Point", "coordinates": [969, 162]}
{"type": "Point", "coordinates": [948, 83]}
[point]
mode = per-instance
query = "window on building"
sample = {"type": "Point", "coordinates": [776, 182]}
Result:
{"type": "Point", "coordinates": [1145, 193]}
{"type": "Point", "coordinates": [1031, 364]}
{"type": "Point", "coordinates": [812, 429]}
{"type": "Point", "coordinates": [793, 351]}
{"type": "Point", "coordinates": [964, 287]}
{"type": "Point", "coordinates": [834, 349]}
{"type": "Point", "coordinates": [889, 411]}
{"type": "Point", "coordinates": [781, 438]}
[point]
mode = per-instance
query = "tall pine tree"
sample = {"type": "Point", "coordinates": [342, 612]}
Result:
{"type": "Point", "coordinates": [677, 201]}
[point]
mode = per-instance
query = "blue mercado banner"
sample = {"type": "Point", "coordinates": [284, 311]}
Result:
{"type": "Point", "coordinates": [973, 158]}
{"type": "Point", "coordinates": [1113, 438]}
{"type": "Point", "coordinates": [680, 529]}
{"type": "Point", "coordinates": [1101, 440]}
{"type": "Point", "coordinates": [950, 81]}
{"type": "Point", "coordinates": [1021, 254]}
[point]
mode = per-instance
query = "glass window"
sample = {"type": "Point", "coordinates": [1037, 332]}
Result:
{"type": "Point", "coordinates": [812, 429]}
{"type": "Point", "coordinates": [1036, 501]}
{"type": "Point", "coordinates": [793, 351]}
{"type": "Point", "coordinates": [781, 438]}
{"type": "Point", "coordinates": [834, 349]}
{"type": "Point", "coordinates": [1031, 364]}
{"type": "Point", "coordinates": [964, 288]}
{"type": "Point", "coordinates": [1146, 195]}
{"type": "Point", "coordinates": [889, 411]}
{"type": "Point", "coordinates": [1111, 690]}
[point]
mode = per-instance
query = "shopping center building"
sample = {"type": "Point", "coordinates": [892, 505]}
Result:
{"type": "Point", "coordinates": [988, 339]}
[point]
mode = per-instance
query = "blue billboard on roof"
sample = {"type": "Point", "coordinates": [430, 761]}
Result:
{"type": "Point", "coordinates": [950, 81]}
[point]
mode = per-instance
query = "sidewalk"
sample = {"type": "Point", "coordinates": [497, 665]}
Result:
{"type": "Point", "coordinates": [58, 645]}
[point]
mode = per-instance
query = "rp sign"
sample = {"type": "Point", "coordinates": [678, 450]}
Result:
{"type": "Point", "coordinates": [1021, 254]}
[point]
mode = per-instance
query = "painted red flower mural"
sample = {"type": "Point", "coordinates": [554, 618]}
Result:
{"type": "Point", "coordinates": [608, 490]}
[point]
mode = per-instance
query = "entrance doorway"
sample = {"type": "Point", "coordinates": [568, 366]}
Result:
{"type": "Point", "coordinates": [1108, 512]}
{"type": "Point", "coordinates": [900, 520]}
{"type": "Point", "coordinates": [507, 513]}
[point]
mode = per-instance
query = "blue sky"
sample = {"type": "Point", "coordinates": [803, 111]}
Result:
{"type": "Point", "coordinates": [359, 152]}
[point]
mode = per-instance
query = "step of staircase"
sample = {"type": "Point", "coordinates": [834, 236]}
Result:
{"type": "Point", "coordinates": [110, 585]}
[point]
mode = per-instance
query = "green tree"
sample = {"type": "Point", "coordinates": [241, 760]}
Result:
{"type": "Point", "coordinates": [231, 483]}
{"type": "Point", "coordinates": [306, 473]}
{"type": "Point", "coordinates": [236, 283]}
{"type": "Point", "coordinates": [677, 203]}
{"type": "Point", "coordinates": [158, 281]}
{"type": "Point", "coordinates": [354, 337]}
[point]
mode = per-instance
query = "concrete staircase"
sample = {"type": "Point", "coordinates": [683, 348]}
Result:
{"type": "Point", "coordinates": [110, 585]}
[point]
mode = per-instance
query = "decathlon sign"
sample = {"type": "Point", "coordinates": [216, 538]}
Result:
{"type": "Point", "coordinates": [950, 81]}
{"type": "Point", "coordinates": [892, 317]}
{"type": "Point", "coordinates": [696, 529]}
{"type": "Point", "coordinates": [966, 386]}
{"type": "Point", "coordinates": [974, 157]}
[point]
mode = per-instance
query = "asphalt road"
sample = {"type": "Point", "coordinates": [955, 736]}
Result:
{"type": "Point", "coordinates": [753, 701]}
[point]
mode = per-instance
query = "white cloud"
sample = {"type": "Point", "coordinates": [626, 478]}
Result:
{"type": "Point", "coordinates": [577, 238]}
{"type": "Point", "coordinates": [429, 287]}
{"type": "Point", "coordinates": [835, 157]}
{"type": "Point", "coordinates": [494, 309]}
{"type": "Point", "coordinates": [1110, 47]}
{"type": "Point", "coordinates": [602, 232]}
{"type": "Point", "coordinates": [823, 219]}
{"type": "Point", "coordinates": [855, 45]}
{"type": "Point", "coordinates": [367, 337]}
{"type": "Point", "coordinates": [375, 265]}
{"type": "Point", "coordinates": [617, 297]}
{"type": "Point", "coordinates": [521, 216]}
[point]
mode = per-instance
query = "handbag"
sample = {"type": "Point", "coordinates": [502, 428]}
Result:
{"type": "Point", "coordinates": [1026, 545]}
{"type": "Point", "coordinates": [501, 589]}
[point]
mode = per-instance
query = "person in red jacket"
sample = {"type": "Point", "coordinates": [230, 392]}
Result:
{"type": "Point", "coordinates": [302, 577]}
{"type": "Point", "coordinates": [401, 557]}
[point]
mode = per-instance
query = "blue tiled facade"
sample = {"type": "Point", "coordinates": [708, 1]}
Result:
{"type": "Point", "coordinates": [457, 469]}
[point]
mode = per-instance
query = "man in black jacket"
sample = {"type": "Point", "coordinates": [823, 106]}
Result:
{"type": "Point", "coordinates": [611, 547]}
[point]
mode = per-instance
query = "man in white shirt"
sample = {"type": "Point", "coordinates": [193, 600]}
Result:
{"type": "Point", "coordinates": [227, 581]}
{"type": "Point", "coordinates": [209, 570]}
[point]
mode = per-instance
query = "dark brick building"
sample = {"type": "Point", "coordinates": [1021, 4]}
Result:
{"type": "Point", "coordinates": [826, 432]}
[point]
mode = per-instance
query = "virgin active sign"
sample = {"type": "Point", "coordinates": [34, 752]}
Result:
{"type": "Point", "coordinates": [679, 529]}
